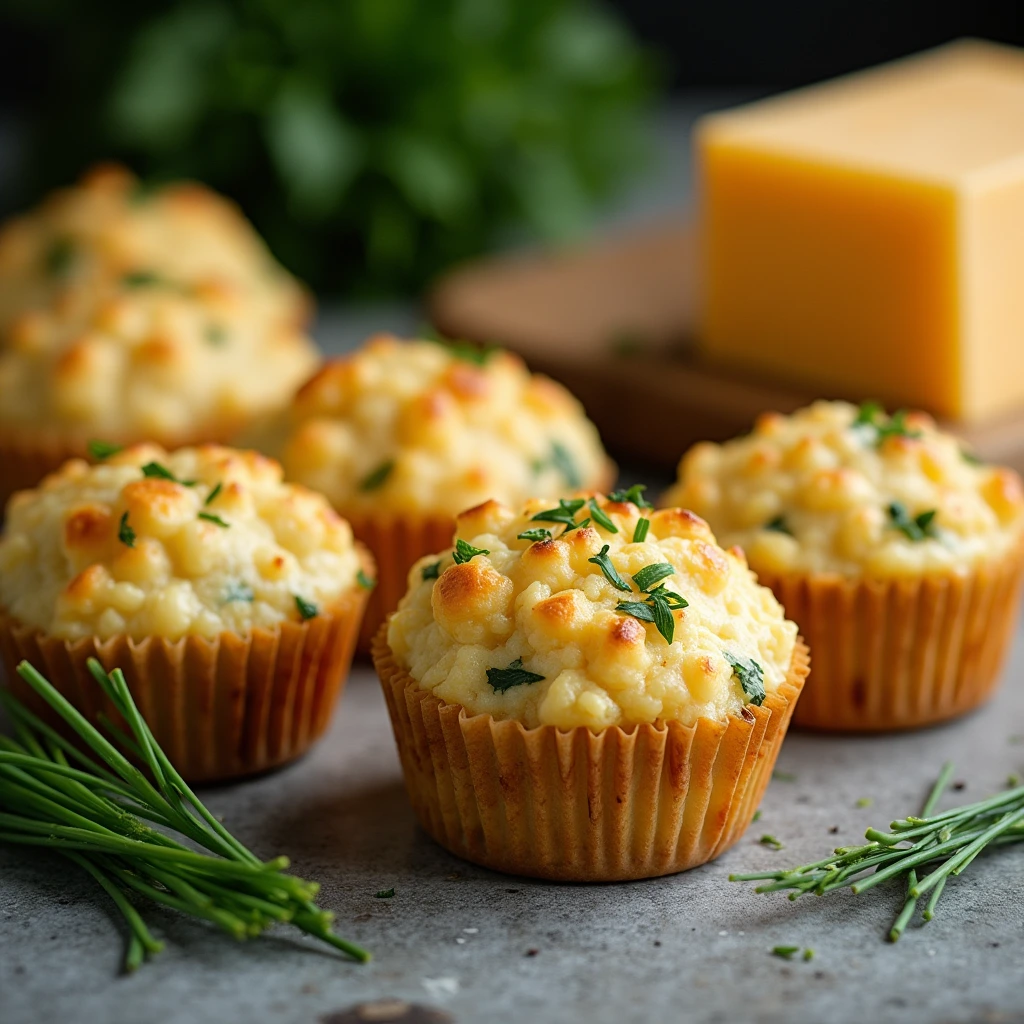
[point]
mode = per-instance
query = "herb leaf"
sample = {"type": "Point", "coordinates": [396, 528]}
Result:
{"type": "Point", "coordinates": [212, 496]}
{"type": "Point", "coordinates": [769, 840]}
{"type": "Point", "coordinates": [384, 894]}
{"type": "Point", "coordinates": [240, 591]}
{"type": "Point", "coordinates": [664, 620]}
{"type": "Point", "coordinates": [465, 551]}
{"type": "Point", "coordinates": [634, 494]}
{"type": "Point", "coordinates": [918, 528]}
{"type": "Point", "coordinates": [535, 534]}
{"type": "Point", "coordinates": [604, 563]}
{"type": "Point", "coordinates": [212, 517]}
{"type": "Point", "coordinates": [565, 513]}
{"type": "Point", "coordinates": [306, 609]}
{"type": "Point", "coordinates": [638, 609]}
{"type": "Point", "coordinates": [786, 952]}
{"type": "Point", "coordinates": [159, 472]}
{"type": "Point", "coordinates": [365, 581]}
{"type": "Point", "coordinates": [778, 525]}
{"type": "Point", "coordinates": [871, 416]}
{"type": "Point", "coordinates": [751, 677]}
{"type": "Point", "coordinates": [640, 530]}
{"type": "Point", "coordinates": [125, 534]}
{"type": "Point", "coordinates": [141, 279]}
{"type": "Point", "coordinates": [101, 450]}
{"type": "Point", "coordinates": [502, 679]}
{"type": "Point", "coordinates": [431, 572]}
{"type": "Point", "coordinates": [378, 477]}
{"type": "Point", "coordinates": [601, 517]}
{"type": "Point", "coordinates": [652, 574]}
{"type": "Point", "coordinates": [581, 525]}
{"type": "Point", "coordinates": [563, 461]}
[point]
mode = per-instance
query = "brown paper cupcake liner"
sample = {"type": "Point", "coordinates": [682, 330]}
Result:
{"type": "Point", "coordinates": [220, 707]}
{"type": "Point", "coordinates": [899, 654]}
{"type": "Point", "coordinates": [400, 540]}
{"type": "Point", "coordinates": [578, 805]}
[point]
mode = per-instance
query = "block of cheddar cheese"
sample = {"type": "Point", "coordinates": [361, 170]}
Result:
{"type": "Point", "coordinates": [865, 237]}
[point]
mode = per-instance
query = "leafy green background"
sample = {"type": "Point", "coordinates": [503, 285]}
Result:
{"type": "Point", "coordinates": [373, 142]}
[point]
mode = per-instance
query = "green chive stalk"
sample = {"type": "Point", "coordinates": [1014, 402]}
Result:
{"type": "Point", "coordinates": [141, 834]}
{"type": "Point", "coordinates": [941, 844]}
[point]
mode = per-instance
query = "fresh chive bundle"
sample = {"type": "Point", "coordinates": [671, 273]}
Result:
{"type": "Point", "coordinates": [925, 850]}
{"type": "Point", "coordinates": [99, 811]}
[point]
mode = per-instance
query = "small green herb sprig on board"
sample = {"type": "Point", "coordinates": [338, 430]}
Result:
{"type": "Point", "coordinates": [924, 850]}
{"type": "Point", "coordinates": [97, 809]}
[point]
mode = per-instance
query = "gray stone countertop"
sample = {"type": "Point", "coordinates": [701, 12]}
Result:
{"type": "Point", "coordinates": [485, 947]}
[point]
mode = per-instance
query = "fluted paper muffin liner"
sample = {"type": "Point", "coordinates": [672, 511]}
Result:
{"type": "Point", "coordinates": [220, 707]}
{"type": "Point", "coordinates": [899, 654]}
{"type": "Point", "coordinates": [577, 805]}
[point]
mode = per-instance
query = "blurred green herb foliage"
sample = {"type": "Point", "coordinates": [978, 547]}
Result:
{"type": "Point", "coordinates": [373, 142]}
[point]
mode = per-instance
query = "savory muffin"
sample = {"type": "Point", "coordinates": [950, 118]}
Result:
{"type": "Point", "coordinates": [897, 552]}
{"type": "Point", "coordinates": [569, 651]}
{"type": "Point", "coordinates": [230, 599]}
{"type": "Point", "coordinates": [404, 434]}
{"type": "Point", "coordinates": [74, 250]}
{"type": "Point", "coordinates": [156, 318]}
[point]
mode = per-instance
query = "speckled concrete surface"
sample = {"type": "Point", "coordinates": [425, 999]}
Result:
{"type": "Point", "coordinates": [459, 938]}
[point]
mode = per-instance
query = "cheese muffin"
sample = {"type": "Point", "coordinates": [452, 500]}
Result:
{"type": "Point", "coordinates": [404, 434]}
{"type": "Point", "coordinates": [129, 318]}
{"type": "Point", "coordinates": [230, 599]}
{"type": "Point", "coordinates": [587, 690]}
{"type": "Point", "coordinates": [894, 548]}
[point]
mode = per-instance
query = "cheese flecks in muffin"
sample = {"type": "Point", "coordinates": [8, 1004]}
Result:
{"type": "Point", "coordinates": [199, 541]}
{"type": "Point", "coordinates": [553, 630]}
{"type": "Point", "coordinates": [107, 233]}
{"type": "Point", "coordinates": [839, 489]}
{"type": "Point", "coordinates": [420, 426]}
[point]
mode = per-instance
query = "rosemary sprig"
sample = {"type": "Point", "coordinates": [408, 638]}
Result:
{"type": "Point", "coordinates": [945, 844]}
{"type": "Point", "coordinates": [91, 804]}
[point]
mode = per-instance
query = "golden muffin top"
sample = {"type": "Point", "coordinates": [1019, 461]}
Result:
{"type": "Point", "coordinates": [418, 426]}
{"type": "Point", "coordinates": [834, 488]}
{"type": "Point", "coordinates": [591, 611]}
{"type": "Point", "coordinates": [144, 316]}
{"type": "Point", "coordinates": [148, 543]}
{"type": "Point", "coordinates": [82, 244]}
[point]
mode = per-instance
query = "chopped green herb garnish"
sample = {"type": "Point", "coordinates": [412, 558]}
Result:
{"type": "Point", "coordinates": [786, 952]}
{"type": "Point", "coordinates": [212, 517]}
{"type": "Point", "coordinates": [634, 494]}
{"type": "Point", "coordinates": [239, 592]}
{"type": "Point", "coordinates": [652, 574]}
{"type": "Point", "coordinates": [125, 534]}
{"type": "Point", "coordinates": [604, 563]}
{"type": "Point", "coordinates": [59, 256]}
{"type": "Point", "coordinates": [808, 954]}
{"type": "Point", "coordinates": [141, 279]}
{"type": "Point", "coordinates": [778, 525]}
{"type": "Point", "coordinates": [465, 551]}
{"type": "Point", "coordinates": [366, 582]}
{"type": "Point", "coordinates": [750, 675]}
{"type": "Point", "coordinates": [478, 355]}
{"type": "Point", "coordinates": [781, 776]}
{"type": "Point", "coordinates": [657, 608]}
{"type": "Point", "coordinates": [384, 894]}
{"type": "Point", "coordinates": [769, 840]}
{"type": "Point", "coordinates": [101, 450]}
{"type": "Point", "coordinates": [581, 525]}
{"type": "Point", "coordinates": [871, 417]}
{"type": "Point", "coordinates": [306, 609]}
{"type": "Point", "coordinates": [865, 801]}
{"type": "Point", "coordinates": [378, 477]}
{"type": "Point", "coordinates": [601, 517]}
{"type": "Point", "coordinates": [563, 461]}
{"type": "Point", "coordinates": [502, 679]}
{"type": "Point", "coordinates": [757, 815]}
{"type": "Point", "coordinates": [917, 528]}
{"type": "Point", "coordinates": [215, 335]}
{"type": "Point", "coordinates": [970, 458]}
{"type": "Point", "coordinates": [565, 513]}
{"type": "Point", "coordinates": [159, 472]}
{"type": "Point", "coordinates": [432, 571]}
{"type": "Point", "coordinates": [640, 530]}
{"type": "Point", "coordinates": [212, 496]}
{"type": "Point", "coordinates": [536, 534]}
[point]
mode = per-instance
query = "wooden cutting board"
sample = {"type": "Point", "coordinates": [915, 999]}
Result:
{"type": "Point", "coordinates": [614, 322]}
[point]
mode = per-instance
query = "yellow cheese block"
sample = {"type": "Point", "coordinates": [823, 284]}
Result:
{"type": "Point", "coordinates": [866, 236]}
